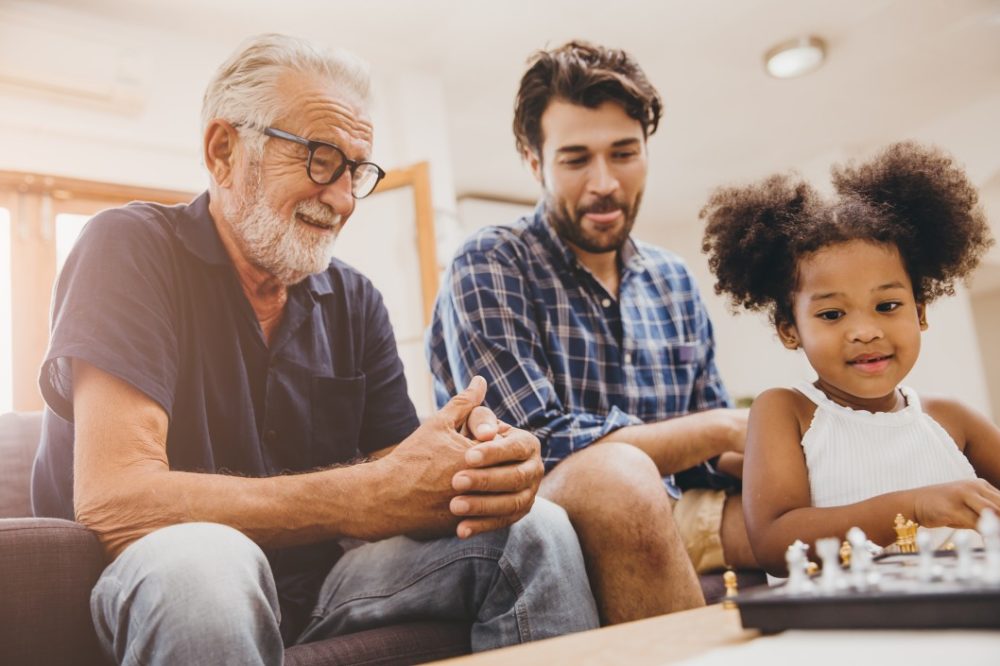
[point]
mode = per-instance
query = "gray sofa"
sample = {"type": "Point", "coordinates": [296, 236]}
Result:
{"type": "Point", "coordinates": [48, 567]}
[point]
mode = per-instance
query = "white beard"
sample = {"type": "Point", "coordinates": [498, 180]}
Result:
{"type": "Point", "coordinates": [285, 248]}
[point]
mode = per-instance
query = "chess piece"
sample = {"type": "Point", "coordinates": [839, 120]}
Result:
{"type": "Point", "coordinates": [845, 553]}
{"type": "Point", "coordinates": [861, 558]}
{"type": "Point", "coordinates": [906, 532]}
{"type": "Point", "coordinates": [964, 567]}
{"type": "Point", "coordinates": [926, 570]}
{"type": "Point", "coordinates": [729, 580]}
{"type": "Point", "coordinates": [989, 528]}
{"type": "Point", "coordinates": [795, 559]}
{"type": "Point", "coordinates": [832, 578]}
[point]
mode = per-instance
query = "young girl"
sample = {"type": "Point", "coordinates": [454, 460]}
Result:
{"type": "Point", "coordinates": [848, 282]}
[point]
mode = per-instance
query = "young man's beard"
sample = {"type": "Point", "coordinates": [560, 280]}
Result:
{"type": "Point", "coordinates": [569, 224]}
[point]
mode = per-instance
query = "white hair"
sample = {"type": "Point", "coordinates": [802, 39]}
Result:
{"type": "Point", "coordinates": [243, 90]}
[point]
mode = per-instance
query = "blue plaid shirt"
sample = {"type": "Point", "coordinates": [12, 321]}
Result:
{"type": "Point", "coordinates": [563, 357]}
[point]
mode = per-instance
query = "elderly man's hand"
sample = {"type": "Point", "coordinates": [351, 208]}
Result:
{"type": "Point", "coordinates": [499, 472]}
{"type": "Point", "coordinates": [500, 483]}
{"type": "Point", "coordinates": [503, 475]}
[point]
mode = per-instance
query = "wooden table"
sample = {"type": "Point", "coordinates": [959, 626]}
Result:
{"type": "Point", "coordinates": [658, 640]}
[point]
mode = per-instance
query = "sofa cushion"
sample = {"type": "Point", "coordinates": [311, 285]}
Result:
{"type": "Point", "coordinates": [19, 435]}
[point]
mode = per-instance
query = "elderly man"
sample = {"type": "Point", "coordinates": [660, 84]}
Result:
{"type": "Point", "coordinates": [599, 343]}
{"type": "Point", "coordinates": [200, 353]}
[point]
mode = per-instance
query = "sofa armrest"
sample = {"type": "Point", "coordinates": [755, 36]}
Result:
{"type": "Point", "coordinates": [48, 567]}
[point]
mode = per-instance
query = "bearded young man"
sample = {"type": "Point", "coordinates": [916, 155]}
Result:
{"type": "Point", "coordinates": [600, 344]}
{"type": "Point", "coordinates": [200, 352]}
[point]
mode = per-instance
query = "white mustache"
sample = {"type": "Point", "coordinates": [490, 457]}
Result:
{"type": "Point", "coordinates": [317, 211]}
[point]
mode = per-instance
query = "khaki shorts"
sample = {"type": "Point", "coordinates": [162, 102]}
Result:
{"type": "Point", "coordinates": [698, 515]}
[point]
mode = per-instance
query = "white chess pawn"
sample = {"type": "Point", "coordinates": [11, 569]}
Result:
{"type": "Point", "coordinates": [832, 578]}
{"type": "Point", "coordinates": [861, 557]}
{"type": "Point", "coordinates": [989, 529]}
{"type": "Point", "coordinates": [796, 561]}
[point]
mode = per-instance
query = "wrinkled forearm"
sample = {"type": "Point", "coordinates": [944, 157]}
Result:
{"type": "Point", "coordinates": [274, 512]}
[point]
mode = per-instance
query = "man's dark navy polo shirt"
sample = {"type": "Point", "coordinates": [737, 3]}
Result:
{"type": "Point", "coordinates": [149, 295]}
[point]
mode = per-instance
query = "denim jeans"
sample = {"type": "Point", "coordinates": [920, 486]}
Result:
{"type": "Point", "coordinates": [201, 593]}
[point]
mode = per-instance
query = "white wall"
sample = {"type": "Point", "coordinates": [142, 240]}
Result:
{"type": "Point", "coordinates": [986, 309]}
{"type": "Point", "coordinates": [152, 143]}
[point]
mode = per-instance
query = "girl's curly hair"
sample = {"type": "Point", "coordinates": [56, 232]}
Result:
{"type": "Point", "coordinates": [910, 196]}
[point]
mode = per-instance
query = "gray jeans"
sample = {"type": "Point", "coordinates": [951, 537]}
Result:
{"type": "Point", "coordinates": [201, 593]}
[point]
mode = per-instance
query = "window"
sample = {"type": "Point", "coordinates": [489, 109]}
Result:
{"type": "Point", "coordinates": [41, 218]}
{"type": "Point", "coordinates": [68, 228]}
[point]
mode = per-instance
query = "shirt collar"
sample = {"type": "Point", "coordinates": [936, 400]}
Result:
{"type": "Point", "coordinates": [198, 233]}
{"type": "Point", "coordinates": [319, 284]}
{"type": "Point", "coordinates": [631, 256]}
{"type": "Point", "coordinates": [201, 238]}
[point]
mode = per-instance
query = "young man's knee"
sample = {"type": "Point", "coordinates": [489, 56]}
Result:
{"type": "Point", "coordinates": [604, 471]}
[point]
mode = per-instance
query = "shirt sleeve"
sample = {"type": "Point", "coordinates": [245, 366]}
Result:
{"type": "Point", "coordinates": [485, 324]}
{"type": "Point", "coordinates": [113, 308]}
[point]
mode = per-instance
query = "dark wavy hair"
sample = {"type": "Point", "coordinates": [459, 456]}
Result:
{"type": "Point", "coordinates": [909, 196]}
{"type": "Point", "coordinates": [585, 74]}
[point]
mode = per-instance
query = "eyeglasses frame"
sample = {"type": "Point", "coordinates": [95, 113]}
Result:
{"type": "Point", "coordinates": [312, 146]}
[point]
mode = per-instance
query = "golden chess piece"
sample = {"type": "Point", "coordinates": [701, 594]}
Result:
{"type": "Point", "coordinates": [906, 534]}
{"type": "Point", "coordinates": [729, 580]}
{"type": "Point", "coordinates": [845, 554]}
{"type": "Point", "coordinates": [812, 569]}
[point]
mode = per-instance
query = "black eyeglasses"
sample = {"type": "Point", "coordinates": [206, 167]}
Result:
{"type": "Point", "coordinates": [327, 163]}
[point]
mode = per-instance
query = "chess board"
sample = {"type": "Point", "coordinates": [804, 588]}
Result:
{"type": "Point", "coordinates": [894, 595]}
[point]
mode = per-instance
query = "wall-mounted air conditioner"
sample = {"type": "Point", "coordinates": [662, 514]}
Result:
{"type": "Point", "coordinates": [70, 68]}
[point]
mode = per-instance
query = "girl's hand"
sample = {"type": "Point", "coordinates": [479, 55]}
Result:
{"type": "Point", "coordinates": [956, 504]}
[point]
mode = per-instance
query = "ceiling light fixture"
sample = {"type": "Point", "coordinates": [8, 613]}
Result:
{"type": "Point", "coordinates": [795, 57]}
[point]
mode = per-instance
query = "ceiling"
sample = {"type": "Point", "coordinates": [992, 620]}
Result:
{"type": "Point", "coordinates": [896, 69]}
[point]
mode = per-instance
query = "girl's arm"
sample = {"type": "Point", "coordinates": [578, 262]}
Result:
{"type": "Point", "coordinates": [776, 497]}
{"type": "Point", "coordinates": [976, 435]}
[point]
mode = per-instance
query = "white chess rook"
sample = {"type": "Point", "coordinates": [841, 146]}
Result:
{"type": "Point", "coordinates": [832, 578]}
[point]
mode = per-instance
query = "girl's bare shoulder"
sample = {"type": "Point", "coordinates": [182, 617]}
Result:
{"type": "Point", "coordinates": [785, 403]}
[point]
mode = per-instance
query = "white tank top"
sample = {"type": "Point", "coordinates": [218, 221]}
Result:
{"type": "Point", "coordinates": [852, 455]}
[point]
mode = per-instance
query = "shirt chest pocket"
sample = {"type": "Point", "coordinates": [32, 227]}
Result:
{"type": "Point", "coordinates": [682, 353]}
{"type": "Point", "coordinates": [338, 405]}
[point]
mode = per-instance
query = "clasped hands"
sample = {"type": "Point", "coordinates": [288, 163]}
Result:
{"type": "Point", "coordinates": [464, 470]}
